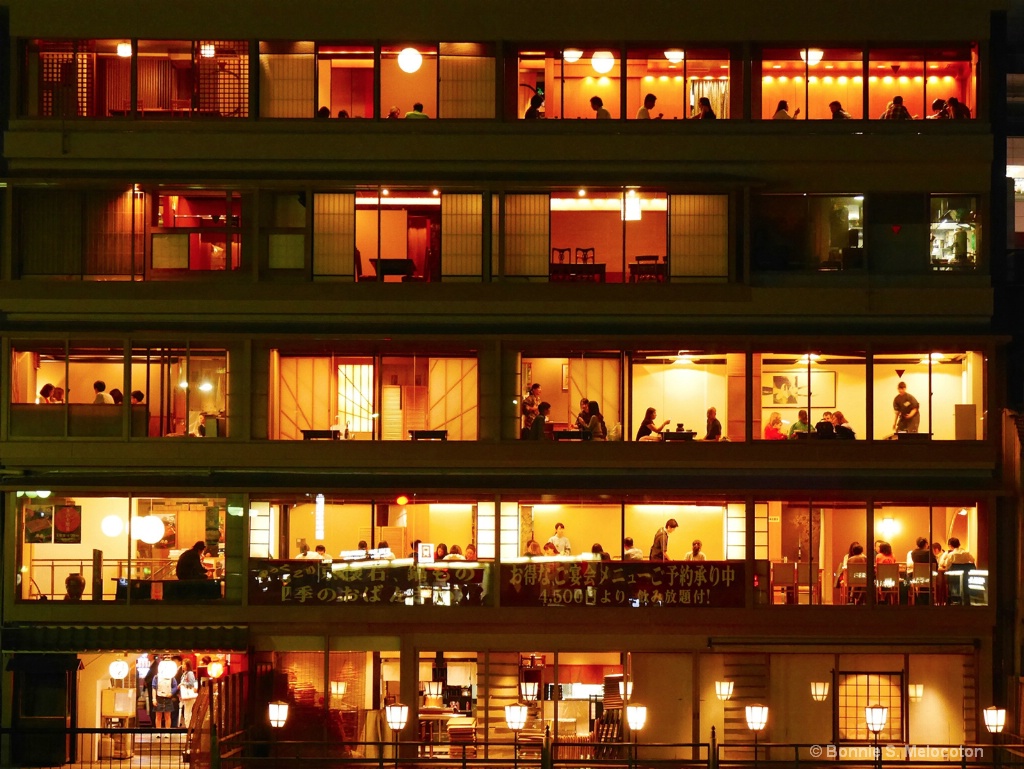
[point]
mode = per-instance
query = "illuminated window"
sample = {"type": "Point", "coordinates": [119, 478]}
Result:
{"type": "Point", "coordinates": [860, 690]}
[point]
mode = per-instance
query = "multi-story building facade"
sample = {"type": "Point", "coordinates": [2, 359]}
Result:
{"type": "Point", "coordinates": [324, 331]}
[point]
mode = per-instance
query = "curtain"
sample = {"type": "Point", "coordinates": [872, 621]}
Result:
{"type": "Point", "coordinates": [718, 93]}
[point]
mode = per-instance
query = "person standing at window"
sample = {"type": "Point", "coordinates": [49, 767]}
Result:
{"type": "Point", "coordinates": [659, 550]}
{"type": "Point", "coordinates": [907, 411]}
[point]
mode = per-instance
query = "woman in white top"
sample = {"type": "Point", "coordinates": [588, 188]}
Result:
{"type": "Point", "coordinates": [782, 111]}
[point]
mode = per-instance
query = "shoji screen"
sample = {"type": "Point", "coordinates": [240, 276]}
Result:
{"type": "Point", "coordinates": [109, 244]}
{"type": "Point", "coordinates": [596, 379]}
{"type": "Point", "coordinates": [699, 236]}
{"type": "Point", "coordinates": [461, 234]}
{"type": "Point", "coordinates": [286, 85]}
{"type": "Point", "coordinates": [453, 397]}
{"type": "Point", "coordinates": [527, 237]}
{"type": "Point", "coordinates": [467, 82]}
{"type": "Point", "coordinates": [334, 235]}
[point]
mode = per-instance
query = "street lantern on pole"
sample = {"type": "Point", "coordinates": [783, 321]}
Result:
{"type": "Point", "coordinates": [876, 716]}
{"type": "Point", "coordinates": [995, 721]}
{"type": "Point", "coordinates": [515, 719]}
{"type": "Point", "coordinates": [396, 716]}
{"type": "Point", "coordinates": [636, 717]}
{"type": "Point", "coordinates": [757, 718]}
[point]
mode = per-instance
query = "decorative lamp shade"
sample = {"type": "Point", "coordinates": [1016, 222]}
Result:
{"type": "Point", "coordinates": [112, 525]}
{"type": "Point", "coordinates": [433, 688]}
{"type": "Point", "coordinates": [674, 55]}
{"type": "Point", "coordinates": [819, 691]}
{"type": "Point", "coordinates": [338, 688]}
{"type": "Point", "coordinates": [515, 716]}
{"type": "Point", "coordinates": [636, 717]}
{"type": "Point", "coordinates": [757, 717]}
{"type": "Point", "coordinates": [723, 689]}
{"type": "Point", "coordinates": [572, 55]}
{"type": "Point", "coordinates": [631, 207]}
{"type": "Point", "coordinates": [207, 50]}
{"type": "Point", "coordinates": [410, 60]}
{"type": "Point", "coordinates": [529, 690]}
{"type": "Point", "coordinates": [118, 670]}
{"type": "Point", "coordinates": [602, 62]}
{"type": "Point", "coordinates": [812, 55]}
{"type": "Point", "coordinates": [278, 713]}
{"type": "Point", "coordinates": [215, 669]}
{"type": "Point", "coordinates": [124, 50]}
{"type": "Point", "coordinates": [166, 669]}
{"type": "Point", "coordinates": [915, 692]}
{"type": "Point", "coordinates": [625, 689]}
{"type": "Point", "coordinates": [151, 529]}
{"type": "Point", "coordinates": [396, 715]}
{"type": "Point", "coordinates": [995, 719]}
{"type": "Point", "coordinates": [876, 716]}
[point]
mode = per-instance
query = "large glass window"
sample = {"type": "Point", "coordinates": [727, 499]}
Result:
{"type": "Point", "coordinates": [807, 232]}
{"type": "Point", "coordinates": [69, 79]}
{"type": "Point", "coordinates": [193, 78]}
{"type": "Point", "coordinates": [564, 383]}
{"type": "Point", "coordinates": [180, 391]}
{"type": "Point", "coordinates": [822, 83]}
{"type": "Point", "coordinates": [955, 226]}
{"type": "Point", "coordinates": [337, 396]}
{"type": "Point", "coordinates": [943, 397]}
{"type": "Point", "coordinates": [139, 540]}
{"type": "Point", "coordinates": [577, 82]}
{"type": "Point", "coordinates": [195, 231]}
{"type": "Point", "coordinates": [344, 77]}
{"type": "Point", "coordinates": [678, 79]}
{"type": "Point", "coordinates": [812, 394]}
{"type": "Point", "coordinates": [937, 83]}
{"type": "Point", "coordinates": [398, 235]}
{"type": "Point", "coordinates": [408, 76]}
{"type": "Point", "coordinates": [682, 387]}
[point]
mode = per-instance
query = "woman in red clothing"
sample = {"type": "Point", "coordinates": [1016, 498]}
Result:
{"type": "Point", "coordinates": [773, 430]}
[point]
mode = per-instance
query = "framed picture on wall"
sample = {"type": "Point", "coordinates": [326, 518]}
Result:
{"type": "Point", "coordinates": [565, 377]}
{"type": "Point", "coordinates": [791, 389]}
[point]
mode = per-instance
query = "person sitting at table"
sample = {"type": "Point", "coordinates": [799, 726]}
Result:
{"type": "Point", "coordinates": [537, 427]}
{"type": "Point", "coordinates": [631, 552]}
{"type": "Point", "coordinates": [441, 551]}
{"type": "Point", "coordinates": [471, 552]}
{"type": "Point", "coordinates": [939, 110]}
{"type": "Point", "coordinates": [884, 554]}
{"type": "Point", "coordinates": [138, 397]}
{"type": "Point", "coordinates": [957, 111]}
{"type": "Point", "coordinates": [801, 425]}
{"type": "Point", "coordinates": [596, 549]}
{"type": "Point", "coordinates": [842, 426]}
{"type": "Point", "coordinates": [190, 563]}
{"type": "Point", "coordinates": [782, 112]}
{"type": "Point", "coordinates": [549, 549]}
{"type": "Point", "coordinates": [773, 430]}
{"type": "Point", "coordinates": [533, 111]}
{"type": "Point", "coordinates": [597, 104]}
{"type": "Point", "coordinates": [649, 431]}
{"type": "Point", "coordinates": [838, 113]}
{"type": "Point", "coordinates": [644, 113]}
{"type": "Point", "coordinates": [955, 555]}
{"type": "Point", "coordinates": [455, 554]}
{"type": "Point", "coordinates": [533, 548]}
{"type": "Point", "coordinates": [921, 554]}
{"type": "Point", "coordinates": [598, 431]}
{"type": "Point", "coordinates": [583, 418]}
{"type": "Point", "coordinates": [824, 427]}
{"type": "Point", "coordinates": [417, 113]}
{"type": "Point", "coordinates": [46, 393]}
{"type": "Point", "coordinates": [385, 551]}
{"type": "Point", "coordinates": [714, 429]}
{"type": "Point", "coordinates": [58, 395]}
{"type": "Point", "coordinates": [896, 111]}
{"type": "Point", "coordinates": [695, 554]}
{"type": "Point", "coordinates": [704, 111]}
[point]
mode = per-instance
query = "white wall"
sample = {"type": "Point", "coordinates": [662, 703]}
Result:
{"type": "Point", "coordinates": [680, 393]}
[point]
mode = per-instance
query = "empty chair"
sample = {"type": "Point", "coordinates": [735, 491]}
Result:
{"type": "Point", "coordinates": [805, 581]}
{"type": "Point", "coordinates": [560, 255]}
{"type": "Point", "coordinates": [784, 581]}
{"type": "Point", "coordinates": [920, 582]}
{"type": "Point", "coordinates": [887, 583]}
{"type": "Point", "coordinates": [585, 256]}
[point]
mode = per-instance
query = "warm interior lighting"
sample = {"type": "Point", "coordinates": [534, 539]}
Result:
{"type": "Point", "coordinates": [319, 518]}
{"type": "Point", "coordinates": [215, 669]}
{"type": "Point", "coordinates": [674, 55]}
{"type": "Point", "coordinates": [396, 715]}
{"type": "Point", "coordinates": [625, 689]}
{"type": "Point", "coordinates": [515, 716]}
{"type": "Point", "coordinates": [529, 690]}
{"type": "Point", "coordinates": [812, 55]}
{"type": "Point", "coordinates": [636, 717]}
{"type": "Point", "coordinates": [876, 716]}
{"type": "Point", "coordinates": [609, 204]}
{"type": "Point", "coordinates": [631, 207]}
{"type": "Point", "coordinates": [888, 527]}
{"type": "Point", "coordinates": [206, 387]}
{"type": "Point", "coordinates": [602, 62]}
{"type": "Point", "coordinates": [278, 712]}
{"type": "Point", "coordinates": [572, 55]}
{"type": "Point", "coordinates": [401, 500]}
{"type": "Point", "coordinates": [398, 202]}
{"type": "Point", "coordinates": [118, 670]}
{"type": "Point", "coordinates": [150, 531]}
{"type": "Point", "coordinates": [995, 719]}
{"type": "Point", "coordinates": [410, 60]}
{"type": "Point", "coordinates": [915, 692]}
{"type": "Point", "coordinates": [112, 526]}
{"type": "Point", "coordinates": [338, 688]}
{"type": "Point", "coordinates": [124, 50]}
{"type": "Point", "coordinates": [723, 690]}
{"type": "Point", "coordinates": [819, 691]}
{"type": "Point", "coordinates": [757, 717]}
{"type": "Point", "coordinates": [207, 50]}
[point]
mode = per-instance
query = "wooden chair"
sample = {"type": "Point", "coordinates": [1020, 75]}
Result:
{"type": "Point", "coordinates": [586, 256]}
{"type": "Point", "coordinates": [560, 255]}
{"type": "Point", "coordinates": [887, 583]}
{"type": "Point", "coordinates": [784, 581]}
{"type": "Point", "coordinates": [920, 582]}
{"type": "Point", "coordinates": [804, 581]}
{"type": "Point", "coordinates": [856, 582]}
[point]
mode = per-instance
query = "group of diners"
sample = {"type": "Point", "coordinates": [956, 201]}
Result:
{"type": "Point", "coordinates": [382, 552]}
{"type": "Point", "coordinates": [559, 545]}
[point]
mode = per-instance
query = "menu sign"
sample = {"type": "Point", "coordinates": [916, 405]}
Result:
{"type": "Point", "coordinates": [313, 582]}
{"type": "Point", "coordinates": [705, 584]}
{"type": "Point", "coordinates": [67, 523]}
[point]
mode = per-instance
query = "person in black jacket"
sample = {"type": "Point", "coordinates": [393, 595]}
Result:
{"type": "Point", "coordinates": [190, 563]}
